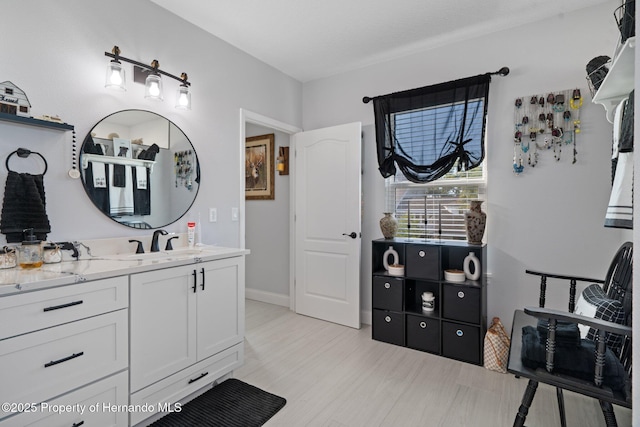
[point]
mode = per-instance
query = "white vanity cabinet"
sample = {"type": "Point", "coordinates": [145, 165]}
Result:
{"type": "Point", "coordinates": [64, 344]}
{"type": "Point", "coordinates": [187, 329]}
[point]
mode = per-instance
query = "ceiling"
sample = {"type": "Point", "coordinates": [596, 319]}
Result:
{"type": "Point", "coordinates": [311, 39]}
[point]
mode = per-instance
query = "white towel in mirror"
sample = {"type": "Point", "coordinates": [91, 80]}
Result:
{"type": "Point", "coordinates": [141, 177]}
{"type": "Point", "coordinates": [121, 198]}
{"type": "Point", "coordinates": [99, 175]}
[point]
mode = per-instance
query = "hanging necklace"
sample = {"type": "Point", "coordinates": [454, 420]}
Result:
{"type": "Point", "coordinates": [518, 167]}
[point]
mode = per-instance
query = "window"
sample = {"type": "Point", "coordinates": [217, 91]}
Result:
{"type": "Point", "coordinates": [434, 209]}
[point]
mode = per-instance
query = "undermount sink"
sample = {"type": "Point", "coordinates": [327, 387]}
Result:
{"type": "Point", "coordinates": [167, 255]}
{"type": "Point", "coordinates": [185, 251]}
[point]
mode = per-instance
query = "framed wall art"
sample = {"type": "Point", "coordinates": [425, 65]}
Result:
{"type": "Point", "coordinates": [259, 168]}
{"type": "Point", "coordinates": [122, 147]}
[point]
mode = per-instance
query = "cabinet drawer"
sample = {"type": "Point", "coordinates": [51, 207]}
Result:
{"type": "Point", "coordinates": [36, 310]}
{"type": "Point", "coordinates": [423, 333]}
{"type": "Point", "coordinates": [110, 391]}
{"type": "Point", "coordinates": [461, 303]}
{"type": "Point", "coordinates": [388, 326]}
{"type": "Point", "coordinates": [461, 342]}
{"type": "Point", "coordinates": [387, 293]}
{"type": "Point", "coordinates": [50, 362]}
{"type": "Point", "coordinates": [422, 262]}
{"type": "Point", "coordinates": [183, 383]}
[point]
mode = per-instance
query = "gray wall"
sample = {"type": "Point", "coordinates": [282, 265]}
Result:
{"type": "Point", "coordinates": [267, 235]}
{"type": "Point", "coordinates": [59, 61]}
{"type": "Point", "coordinates": [550, 217]}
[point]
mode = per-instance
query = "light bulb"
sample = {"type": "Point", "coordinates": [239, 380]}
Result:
{"type": "Point", "coordinates": [183, 101]}
{"type": "Point", "coordinates": [154, 90]}
{"type": "Point", "coordinates": [116, 78]}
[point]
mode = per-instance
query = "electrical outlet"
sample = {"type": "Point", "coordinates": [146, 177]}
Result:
{"type": "Point", "coordinates": [213, 214]}
{"type": "Point", "coordinates": [235, 215]}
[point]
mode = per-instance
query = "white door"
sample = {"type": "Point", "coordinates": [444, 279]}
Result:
{"type": "Point", "coordinates": [327, 223]}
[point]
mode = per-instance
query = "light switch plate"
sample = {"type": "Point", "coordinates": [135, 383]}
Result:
{"type": "Point", "coordinates": [235, 214]}
{"type": "Point", "coordinates": [213, 214]}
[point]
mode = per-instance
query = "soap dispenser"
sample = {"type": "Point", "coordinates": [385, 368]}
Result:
{"type": "Point", "coordinates": [30, 252]}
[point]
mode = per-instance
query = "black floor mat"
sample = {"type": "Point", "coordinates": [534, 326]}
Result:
{"type": "Point", "coordinates": [232, 403]}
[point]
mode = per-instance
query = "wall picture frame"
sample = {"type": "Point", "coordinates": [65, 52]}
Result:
{"type": "Point", "coordinates": [122, 147]}
{"type": "Point", "coordinates": [259, 167]}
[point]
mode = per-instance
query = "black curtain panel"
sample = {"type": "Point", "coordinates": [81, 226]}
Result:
{"type": "Point", "coordinates": [426, 131]}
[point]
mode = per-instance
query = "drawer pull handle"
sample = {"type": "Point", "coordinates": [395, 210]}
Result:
{"type": "Point", "coordinates": [460, 294]}
{"type": "Point", "coordinates": [77, 424]}
{"type": "Point", "coordinates": [204, 374]}
{"type": "Point", "coordinates": [387, 285]}
{"type": "Point", "coordinates": [64, 359]}
{"type": "Point", "coordinates": [202, 271]}
{"type": "Point", "coordinates": [423, 325]}
{"type": "Point", "coordinates": [459, 332]}
{"type": "Point", "coordinates": [387, 319]}
{"type": "Point", "coordinates": [422, 254]}
{"type": "Point", "coordinates": [58, 307]}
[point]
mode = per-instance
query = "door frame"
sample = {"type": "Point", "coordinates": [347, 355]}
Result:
{"type": "Point", "coordinates": [247, 116]}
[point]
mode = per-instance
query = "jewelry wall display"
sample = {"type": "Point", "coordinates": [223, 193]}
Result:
{"type": "Point", "coordinates": [184, 168]}
{"type": "Point", "coordinates": [545, 123]}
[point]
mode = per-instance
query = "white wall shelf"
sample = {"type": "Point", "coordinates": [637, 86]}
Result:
{"type": "Point", "coordinates": [619, 80]}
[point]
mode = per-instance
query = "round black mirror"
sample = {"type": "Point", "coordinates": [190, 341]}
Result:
{"type": "Point", "coordinates": [139, 169]}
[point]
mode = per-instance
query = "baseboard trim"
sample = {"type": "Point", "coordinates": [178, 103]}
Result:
{"type": "Point", "coordinates": [268, 297]}
{"type": "Point", "coordinates": [365, 317]}
{"type": "Point", "coordinates": [283, 300]}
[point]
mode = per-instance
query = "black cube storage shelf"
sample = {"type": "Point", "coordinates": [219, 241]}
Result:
{"type": "Point", "coordinates": [457, 325]}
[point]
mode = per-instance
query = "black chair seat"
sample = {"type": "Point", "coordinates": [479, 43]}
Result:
{"type": "Point", "coordinates": [566, 382]}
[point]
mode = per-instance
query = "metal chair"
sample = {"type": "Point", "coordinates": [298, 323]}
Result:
{"type": "Point", "coordinates": [617, 285]}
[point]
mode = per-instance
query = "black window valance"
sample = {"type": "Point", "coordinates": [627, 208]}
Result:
{"type": "Point", "coordinates": [426, 131]}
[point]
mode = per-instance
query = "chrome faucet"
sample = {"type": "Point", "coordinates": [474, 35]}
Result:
{"type": "Point", "coordinates": [154, 241]}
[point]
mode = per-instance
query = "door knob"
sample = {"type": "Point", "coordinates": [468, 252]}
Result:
{"type": "Point", "coordinates": [353, 234]}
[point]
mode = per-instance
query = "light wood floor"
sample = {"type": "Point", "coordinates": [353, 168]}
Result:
{"type": "Point", "coordinates": [334, 376]}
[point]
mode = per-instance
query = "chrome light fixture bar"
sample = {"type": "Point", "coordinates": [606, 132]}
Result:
{"type": "Point", "coordinates": [153, 84]}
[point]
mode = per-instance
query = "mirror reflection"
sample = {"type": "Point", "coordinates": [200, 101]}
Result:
{"type": "Point", "coordinates": [139, 169]}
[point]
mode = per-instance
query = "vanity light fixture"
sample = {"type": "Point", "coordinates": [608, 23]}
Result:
{"type": "Point", "coordinates": [153, 83]}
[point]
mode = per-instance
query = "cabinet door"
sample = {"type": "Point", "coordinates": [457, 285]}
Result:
{"type": "Point", "coordinates": [220, 305]}
{"type": "Point", "coordinates": [163, 324]}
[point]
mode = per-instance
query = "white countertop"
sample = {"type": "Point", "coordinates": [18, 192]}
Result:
{"type": "Point", "coordinates": [17, 280]}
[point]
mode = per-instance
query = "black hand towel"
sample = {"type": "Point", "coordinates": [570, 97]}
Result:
{"type": "Point", "coordinates": [24, 207]}
{"type": "Point", "coordinates": [567, 334]}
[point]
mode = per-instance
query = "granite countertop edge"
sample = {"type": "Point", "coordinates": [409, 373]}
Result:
{"type": "Point", "coordinates": [16, 281]}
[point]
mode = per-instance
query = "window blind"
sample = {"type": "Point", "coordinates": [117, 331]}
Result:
{"type": "Point", "coordinates": [435, 210]}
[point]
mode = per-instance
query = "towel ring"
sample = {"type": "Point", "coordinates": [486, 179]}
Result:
{"type": "Point", "coordinates": [24, 153]}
